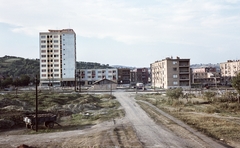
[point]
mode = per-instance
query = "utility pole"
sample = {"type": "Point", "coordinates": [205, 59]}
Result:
{"type": "Point", "coordinates": [111, 90]}
{"type": "Point", "coordinates": [52, 82]}
{"type": "Point", "coordinates": [75, 88]}
{"type": "Point", "coordinates": [80, 80]}
{"type": "Point", "coordinates": [36, 114]}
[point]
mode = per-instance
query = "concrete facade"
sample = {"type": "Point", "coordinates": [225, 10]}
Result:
{"type": "Point", "coordinates": [90, 76]}
{"type": "Point", "coordinates": [205, 76]}
{"type": "Point", "coordinates": [57, 57]}
{"type": "Point", "coordinates": [229, 70]}
{"type": "Point", "coordinates": [171, 73]}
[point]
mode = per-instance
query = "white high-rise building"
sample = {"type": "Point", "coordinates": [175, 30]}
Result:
{"type": "Point", "coordinates": [57, 57]}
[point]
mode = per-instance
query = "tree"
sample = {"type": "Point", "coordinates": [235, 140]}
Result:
{"type": "Point", "coordinates": [25, 80]}
{"type": "Point", "coordinates": [236, 83]}
{"type": "Point", "coordinates": [6, 82]}
{"type": "Point", "coordinates": [16, 82]}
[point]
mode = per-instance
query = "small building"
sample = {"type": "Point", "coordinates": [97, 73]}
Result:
{"type": "Point", "coordinates": [90, 76]}
{"type": "Point", "coordinates": [104, 84]}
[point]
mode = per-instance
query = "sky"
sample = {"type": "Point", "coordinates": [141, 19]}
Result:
{"type": "Point", "coordinates": [126, 32]}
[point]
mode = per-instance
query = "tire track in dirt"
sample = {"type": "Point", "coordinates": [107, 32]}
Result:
{"type": "Point", "coordinates": [181, 128]}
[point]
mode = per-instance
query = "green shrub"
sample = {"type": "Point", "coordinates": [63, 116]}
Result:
{"type": "Point", "coordinates": [174, 93]}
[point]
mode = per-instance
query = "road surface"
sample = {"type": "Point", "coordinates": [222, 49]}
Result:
{"type": "Point", "coordinates": [153, 135]}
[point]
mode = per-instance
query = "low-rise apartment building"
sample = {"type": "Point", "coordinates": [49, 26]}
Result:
{"type": "Point", "coordinates": [89, 76]}
{"type": "Point", "coordinates": [171, 73]}
{"type": "Point", "coordinates": [139, 75]}
{"type": "Point", "coordinates": [205, 76]}
{"type": "Point", "coordinates": [123, 76]}
{"type": "Point", "coordinates": [229, 70]}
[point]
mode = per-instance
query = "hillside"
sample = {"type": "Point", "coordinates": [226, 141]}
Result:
{"type": "Point", "coordinates": [16, 66]}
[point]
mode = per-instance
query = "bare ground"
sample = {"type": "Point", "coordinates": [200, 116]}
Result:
{"type": "Point", "coordinates": [137, 129]}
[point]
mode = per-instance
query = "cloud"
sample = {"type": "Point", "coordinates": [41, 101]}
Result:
{"type": "Point", "coordinates": [126, 22]}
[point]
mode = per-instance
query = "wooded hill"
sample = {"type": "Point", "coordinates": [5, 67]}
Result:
{"type": "Point", "coordinates": [17, 66]}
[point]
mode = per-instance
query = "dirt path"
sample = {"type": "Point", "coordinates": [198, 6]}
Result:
{"type": "Point", "coordinates": [153, 135]}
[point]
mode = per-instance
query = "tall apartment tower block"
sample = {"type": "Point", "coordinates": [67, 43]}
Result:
{"type": "Point", "coordinates": [57, 57]}
{"type": "Point", "coordinates": [171, 73]}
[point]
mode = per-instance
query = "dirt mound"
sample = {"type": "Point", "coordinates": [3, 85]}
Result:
{"type": "Point", "coordinates": [7, 102]}
{"type": "Point", "coordinates": [73, 108]}
{"type": "Point", "coordinates": [89, 99]}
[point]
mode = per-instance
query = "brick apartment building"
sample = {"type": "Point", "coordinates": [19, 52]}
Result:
{"type": "Point", "coordinates": [123, 76]}
{"type": "Point", "coordinates": [139, 75]}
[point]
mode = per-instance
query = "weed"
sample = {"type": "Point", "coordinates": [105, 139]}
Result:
{"type": "Point", "coordinates": [209, 95]}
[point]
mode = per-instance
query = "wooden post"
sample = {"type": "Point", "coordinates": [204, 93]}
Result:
{"type": "Point", "coordinates": [36, 114]}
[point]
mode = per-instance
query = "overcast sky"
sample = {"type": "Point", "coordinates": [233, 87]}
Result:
{"type": "Point", "coordinates": [126, 32]}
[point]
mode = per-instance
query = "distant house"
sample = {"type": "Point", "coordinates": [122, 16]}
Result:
{"type": "Point", "coordinates": [104, 84]}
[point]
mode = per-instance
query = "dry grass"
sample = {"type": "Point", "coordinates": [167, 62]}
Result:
{"type": "Point", "coordinates": [215, 119]}
{"type": "Point", "coordinates": [212, 126]}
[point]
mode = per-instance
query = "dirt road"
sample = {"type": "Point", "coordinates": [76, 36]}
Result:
{"type": "Point", "coordinates": [153, 135]}
{"type": "Point", "coordinates": [148, 132]}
